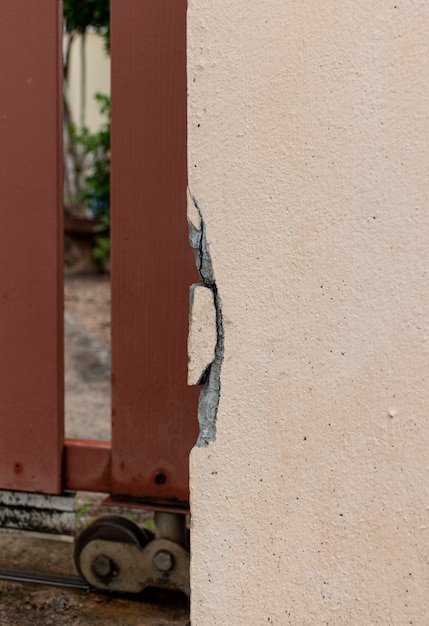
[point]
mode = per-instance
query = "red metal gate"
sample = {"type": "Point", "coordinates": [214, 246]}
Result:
{"type": "Point", "coordinates": [154, 422]}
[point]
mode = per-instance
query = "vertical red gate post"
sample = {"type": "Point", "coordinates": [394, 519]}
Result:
{"type": "Point", "coordinates": [31, 313]}
{"type": "Point", "coordinates": [154, 423]}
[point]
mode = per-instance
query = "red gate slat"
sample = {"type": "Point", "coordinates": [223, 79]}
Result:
{"type": "Point", "coordinates": [31, 364]}
{"type": "Point", "coordinates": [154, 422]}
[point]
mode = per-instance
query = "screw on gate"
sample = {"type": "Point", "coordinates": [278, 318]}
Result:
{"type": "Point", "coordinates": [104, 568]}
{"type": "Point", "coordinates": [163, 561]}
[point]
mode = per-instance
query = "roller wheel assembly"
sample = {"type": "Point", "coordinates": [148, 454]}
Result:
{"type": "Point", "coordinates": [115, 554]}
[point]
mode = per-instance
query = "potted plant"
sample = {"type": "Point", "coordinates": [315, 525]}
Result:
{"type": "Point", "coordinates": [87, 154]}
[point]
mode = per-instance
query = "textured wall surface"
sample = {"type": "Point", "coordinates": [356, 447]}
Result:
{"type": "Point", "coordinates": [308, 158]}
{"type": "Point", "coordinates": [97, 79]}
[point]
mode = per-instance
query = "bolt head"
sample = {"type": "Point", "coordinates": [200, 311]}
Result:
{"type": "Point", "coordinates": [102, 567]}
{"type": "Point", "coordinates": [163, 561]}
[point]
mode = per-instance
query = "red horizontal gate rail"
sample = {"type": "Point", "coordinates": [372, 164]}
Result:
{"type": "Point", "coordinates": [31, 335]}
{"type": "Point", "coordinates": [154, 422]}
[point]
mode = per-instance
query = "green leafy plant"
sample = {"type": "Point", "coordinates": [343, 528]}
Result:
{"type": "Point", "coordinates": [87, 154]}
{"type": "Point", "coordinates": [85, 188]}
{"type": "Point", "coordinates": [94, 151]}
{"type": "Point", "coordinates": [79, 15]}
{"type": "Point", "coordinates": [101, 249]}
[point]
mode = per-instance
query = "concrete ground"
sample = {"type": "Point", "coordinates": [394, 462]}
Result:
{"type": "Point", "coordinates": [87, 357]}
{"type": "Point", "coordinates": [87, 408]}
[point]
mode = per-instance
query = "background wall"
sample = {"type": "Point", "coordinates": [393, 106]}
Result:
{"type": "Point", "coordinates": [308, 156]}
{"type": "Point", "coordinates": [97, 79]}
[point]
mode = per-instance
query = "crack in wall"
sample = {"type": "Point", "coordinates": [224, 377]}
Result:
{"type": "Point", "coordinates": [210, 391]}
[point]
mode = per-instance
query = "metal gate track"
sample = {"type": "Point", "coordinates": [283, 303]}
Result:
{"type": "Point", "coordinates": [40, 578]}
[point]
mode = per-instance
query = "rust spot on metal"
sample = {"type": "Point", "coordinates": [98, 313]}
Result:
{"type": "Point", "coordinates": [18, 467]}
{"type": "Point", "coordinates": [160, 478]}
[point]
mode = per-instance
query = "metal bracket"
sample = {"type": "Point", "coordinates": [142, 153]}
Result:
{"type": "Point", "coordinates": [126, 568]}
{"type": "Point", "coordinates": [114, 554]}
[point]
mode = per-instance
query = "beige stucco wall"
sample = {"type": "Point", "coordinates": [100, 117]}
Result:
{"type": "Point", "coordinates": [308, 157]}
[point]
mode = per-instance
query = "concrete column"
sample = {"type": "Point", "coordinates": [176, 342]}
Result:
{"type": "Point", "coordinates": [308, 161]}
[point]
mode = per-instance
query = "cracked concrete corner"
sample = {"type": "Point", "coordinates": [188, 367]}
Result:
{"type": "Point", "coordinates": [208, 372]}
{"type": "Point", "coordinates": [209, 400]}
{"type": "Point", "coordinates": [202, 333]}
{"type": "Point", "coordinates": [198, 241]}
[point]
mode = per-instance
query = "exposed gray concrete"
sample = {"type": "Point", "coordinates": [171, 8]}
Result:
{"type": "Point", "coordinates": [202, 335]}
{"type": "Point", "coordinates": [210, 390]}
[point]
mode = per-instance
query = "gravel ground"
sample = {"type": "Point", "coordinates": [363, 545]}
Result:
{"type": "Point", "coordinates": [87, 301]}
{"type": "Point", "coordinates": [87, 357]}
{"type": "Point", "coordinates": [31, 605]}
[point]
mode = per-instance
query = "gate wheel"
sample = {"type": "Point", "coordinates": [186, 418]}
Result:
{"type": "Point", "coordinates": [112, 528]}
